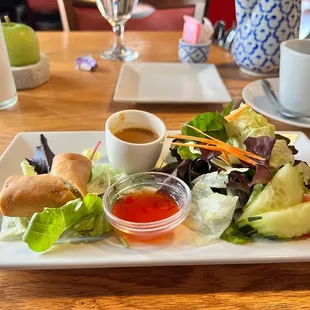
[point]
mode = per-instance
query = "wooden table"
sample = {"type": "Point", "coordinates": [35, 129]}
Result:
{"type": "Point", "coordinates": [76, 100]}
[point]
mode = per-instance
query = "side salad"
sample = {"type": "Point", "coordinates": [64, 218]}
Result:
{"type": "Point", "coordinates": [244, 177]}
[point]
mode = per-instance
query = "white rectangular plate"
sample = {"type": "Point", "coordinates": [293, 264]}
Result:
{"type": "Point", "coordinates": [170, 83]}
{"type": "Point", "coordinates": [109, 252]}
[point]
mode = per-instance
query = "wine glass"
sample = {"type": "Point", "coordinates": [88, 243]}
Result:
{"type": "Point", "coordinates": [117, 12]}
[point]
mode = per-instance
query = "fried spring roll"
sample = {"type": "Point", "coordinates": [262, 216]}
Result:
{"type": "Point", "coordinates": [74, 170]}
{"type": "Point", "coordinates": [26, 195]}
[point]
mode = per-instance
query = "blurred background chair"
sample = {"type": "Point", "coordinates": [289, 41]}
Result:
{"type": "Point", "coordinates": [168, 16]}
{"type": "Point", "coordinates": [16, 9]}
{"type": "Point", "coordinates": [43, 14]}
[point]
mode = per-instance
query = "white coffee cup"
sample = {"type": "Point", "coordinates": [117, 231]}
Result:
{"type": "Point", "coordinates": [294, 93]}
{"type": "Point", "coordinates": [132, 157]}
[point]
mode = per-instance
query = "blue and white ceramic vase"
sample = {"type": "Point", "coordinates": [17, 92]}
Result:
{"type": "Point", "coordinates": [261, 27]}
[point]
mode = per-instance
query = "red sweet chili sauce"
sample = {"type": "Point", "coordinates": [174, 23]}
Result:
{"type": "Point", "coordinates": [145, 207]}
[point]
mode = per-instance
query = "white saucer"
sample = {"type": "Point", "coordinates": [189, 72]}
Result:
{"type": "Point", "coordinates": [254, 94]}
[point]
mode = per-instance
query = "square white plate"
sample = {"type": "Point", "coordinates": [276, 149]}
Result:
{"type": "Point", "coordinates": [109, 252]}
{"type": "Point", "coordinates": [170, 83]}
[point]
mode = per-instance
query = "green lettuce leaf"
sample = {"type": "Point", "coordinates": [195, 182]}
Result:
{"type": "Point", "coordinates": [237, 141]}
{"type": "Point", "coordinates": [210, 213]}
{"type": "Point", "coordinates": [101, 226]}
{"type": "Point", "coordinates": [211, 123]}
{"type": "Point", "coordinates": [46, 227]}
{"type": "Point", "coordinates": [211, 180]}
{"type": "Point", "coordinates": [232, 234]}
{"type": "Point", "coordinates": [121, 238]}
{"type": "Point", "coordinates": [246, 124]}
{"type": "Point", "coordinates": [101, 178]}
{"type": "Point", "coordinates": [13, 227]}
{"type": "Point", "coordinates": [281, 155]}
{"type": "Point", "coordinates": [85, 225]}
{"type": "Point", "coordinates": [186, 153]}
{"type": "Point", "coordinates": [251, 124]}
{"type": "Point", "coordinates": [93, 227]}
{"type": "Point", "coordinates": [227, 110]}
{"type": "Point", "coordinates": [257, 189]}
{"type": "Point", "coordinates": [27, 169]}
{"type": "Point", "coordinates": [304, 169]}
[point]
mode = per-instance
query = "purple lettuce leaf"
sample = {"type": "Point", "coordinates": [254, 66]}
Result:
{"type": "Point", "coordinates": [182, 171]}
{"type": "Point", "coordinates": [43, 158]}
{"type": "Point", "coordinates": [207, 154]}
{"type": "Point", "coordinates": [174, 151]}
{"type": "Point", "coordinates": [261, 146]}
{"type": "Point", "coordinates": [239, 185]}
{"type": "Point", "coordinates": [188, 170]}
{"type": "Point", "coordinates": [262, 175]}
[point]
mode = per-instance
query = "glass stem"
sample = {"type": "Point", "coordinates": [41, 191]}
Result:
{"type": "Point", "coordinates": [119, 35]}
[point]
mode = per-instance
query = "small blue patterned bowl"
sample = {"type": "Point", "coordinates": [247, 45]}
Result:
{"type": "Point", "coordinates": [193, 53]}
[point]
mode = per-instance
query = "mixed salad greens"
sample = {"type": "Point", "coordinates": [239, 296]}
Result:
{"type": "Point", "coordinates": [244, 178]}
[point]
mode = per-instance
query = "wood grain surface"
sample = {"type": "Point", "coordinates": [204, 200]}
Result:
{"type": "Point", "coordinates": [76, 100]}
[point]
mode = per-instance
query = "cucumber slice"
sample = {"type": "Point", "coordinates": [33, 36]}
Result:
{"type": "Point", "coordinates": [286, 223]}
{"type": "Point", "coordinates": [257, 189]}
{"type": "Point", "coordinates": [284, 190]}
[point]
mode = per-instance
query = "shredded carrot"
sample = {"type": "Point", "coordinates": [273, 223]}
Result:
{"type": "Point", "coordinates": [216, 148]}
{"type": "Point", "coordinates": [183, 137]}
{"type": "Point", "coordinates": [200, 146]}
{"type": "Point", "coordinates": [227, 157]}
{"type": "Point", "coordinates": [212, 141]}
{"type": "Point", "coordinates": [223, 144]}
{"type": "Point", "coordinates": [234, 150]}
{"type": "Point", "coordinates": [216, 144]}
{"type": "Point", "coordinates": [231, 116]}
{"type": "Point", "coordinates": [222, 157]}
{"type": "Point", "coordinates": [229, 148]}
{"type": "Point", "coordinates": [178, 136]}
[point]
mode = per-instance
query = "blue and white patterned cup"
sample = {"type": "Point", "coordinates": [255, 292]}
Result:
{"type": "Point", "coordinates": [261, 27]}
{"type": "Point", "coordinates": [193, 53]}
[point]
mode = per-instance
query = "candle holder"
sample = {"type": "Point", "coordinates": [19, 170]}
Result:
{"type": "Point", "coordinates": [32, 76]}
